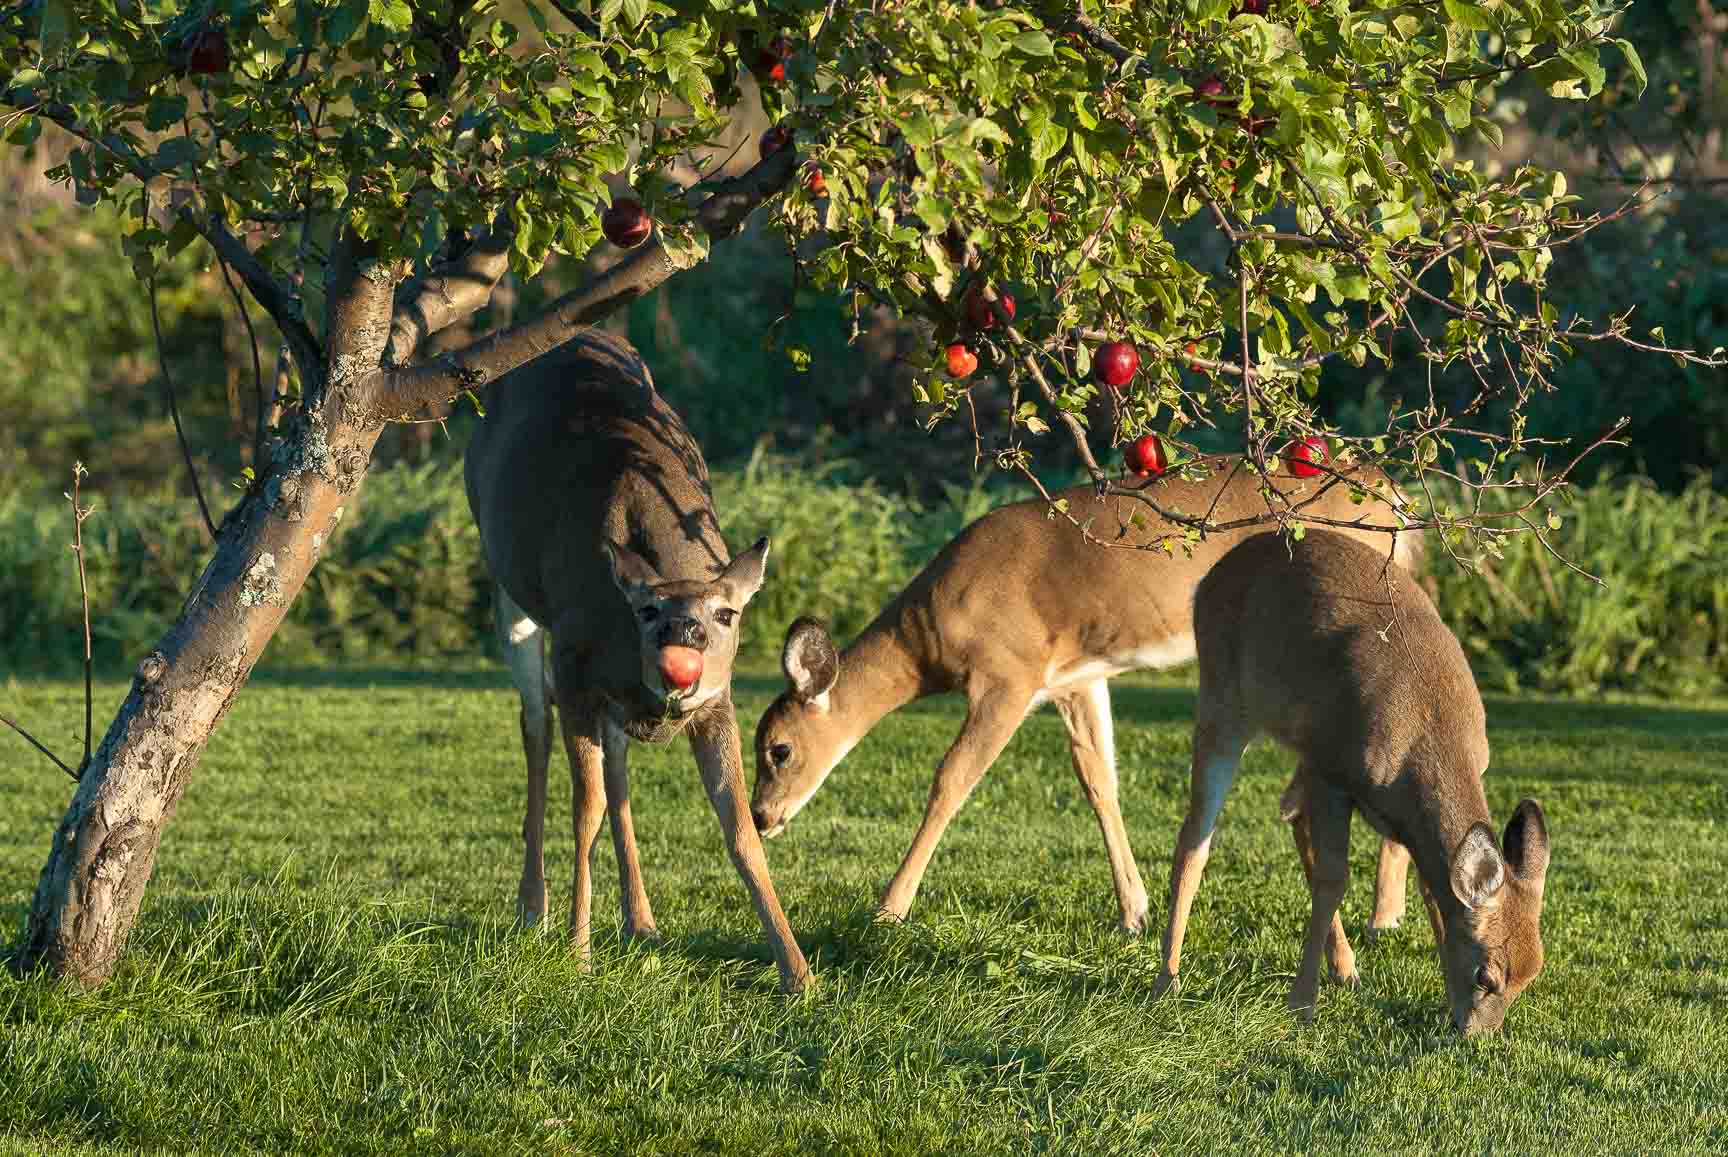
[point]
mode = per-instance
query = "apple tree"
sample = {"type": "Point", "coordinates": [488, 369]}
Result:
{"type": "Point", "coordinates": [1228, 196]}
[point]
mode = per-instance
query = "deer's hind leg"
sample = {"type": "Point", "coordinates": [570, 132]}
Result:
{"type": "Point", "coordinates": [1092, 744]}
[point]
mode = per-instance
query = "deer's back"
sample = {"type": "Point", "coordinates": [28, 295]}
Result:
{"type": "Point", "coordinates": [1017, 580]}
{"type": "Point", "coordinates": [1342, 658]}
{"type": "Point", "coordinates": [575, 446]}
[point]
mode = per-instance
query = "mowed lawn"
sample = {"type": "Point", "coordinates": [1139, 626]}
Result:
{"type": "Point", "coordinates": [326, 960]}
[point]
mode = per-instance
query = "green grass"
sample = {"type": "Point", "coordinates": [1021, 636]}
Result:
{"type": "Point", "coordinates": [325, 961]}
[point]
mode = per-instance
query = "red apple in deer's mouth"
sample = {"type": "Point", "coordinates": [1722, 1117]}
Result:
{"type": "Point", "coordinates": [1304, 453]}
{"type": "Point", "coordinates": [626, 224]}
{"type": "Point", "coordinates": [961, 361]}
{"type": "Point", "coordinates": [680, 667]}
{"type": "Point", "coordinates": [1115, 363]}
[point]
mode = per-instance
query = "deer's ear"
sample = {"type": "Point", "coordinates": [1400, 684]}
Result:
{"type": "Point", "coordinates": [633, 574]}
{"type": "Point", "coordinates": [1477, 869]}
{"type": "Point", "coordinates": [1526, 844]}
{"type": "Point", "coordinates": [743, 575]}
{"type": "Point", "coordinates": [811, 663]}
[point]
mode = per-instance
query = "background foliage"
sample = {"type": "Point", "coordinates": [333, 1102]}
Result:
{"type": "Point", "coordinates": [853, 492]}
{"type": "Point", "coordinates": [403, 580]}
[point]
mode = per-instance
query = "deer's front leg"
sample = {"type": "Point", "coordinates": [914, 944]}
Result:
{"type": "Point", "coordinates": [1328, 823]}
{"type": "Point", "coordinates": [1340, 957]}
{"type": "Point", "coordinates": [588, 806]}
{"type": "Point", "coordinates": [632, 895]}
{"type": "Point", "coordinates": [521, 639]}
{"type": "Point", "coordinates": [715, 743]}
{"type": "Point", "coordinates": [991, 720]}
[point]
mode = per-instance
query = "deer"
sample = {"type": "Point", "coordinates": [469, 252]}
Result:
{"type": "Point", "coordinates": [618, 608]}
{"type": "Point", "coordinates": [1344, 660]}
{"type": "Point", "coordinates": [1022, 608]}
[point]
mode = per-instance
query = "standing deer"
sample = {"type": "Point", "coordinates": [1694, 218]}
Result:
{"type": "Point", "coordinates": [598, 528]}
{"type": "Point", "coordinates": [1019, 609]}
{"type": "Point", "coordinates": [1345, 661]}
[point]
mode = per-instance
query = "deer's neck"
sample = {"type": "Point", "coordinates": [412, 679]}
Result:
{"type": "Point", "coordinates": [1436, 829]}
{"type": "Point", "coordinates": [879, 673]}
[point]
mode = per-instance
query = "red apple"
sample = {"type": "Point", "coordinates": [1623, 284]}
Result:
{"type": "Point", "coordinates": [816, 183]}
{"type": "Point", "coordinates": [1145, 456]}
{"type": "Point", "coordinates": [1303, 453]}
{"type": "Point", "coordinates": [1210, 89]}
{"type": "Point", "coordinates": [771, 61]}
{"type": "Point", "coordinates": [680, 667]}
{"type": "Point", "coordinates": [961, 361]}
{"type": "Point", "coordinates": [626, 224]}
{"type": "Point", "coordinates": [1115, 363]}
{"type": "Point", "coordinates": [1192, 350]}
{"type": "Point", "coordinates": [774, 140]}
{"type": "Point", "coordinates": [981, 313]}
{"type": "Point", "coordinates": [1251, 8]}
{"type": "Point", "coordinates": [209, 53]}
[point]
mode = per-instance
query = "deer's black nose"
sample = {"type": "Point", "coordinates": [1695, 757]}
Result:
{"type": "Point", "coordinates": [681, 631]}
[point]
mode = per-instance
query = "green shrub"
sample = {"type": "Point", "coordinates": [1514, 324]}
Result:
{"type": "Point", "coordinates": [402, 580]}
{"type": "Point", "coordinates": [1660, 622]}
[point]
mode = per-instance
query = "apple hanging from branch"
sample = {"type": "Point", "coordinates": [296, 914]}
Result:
{"type": "Point", "coordinates": [626, 223]}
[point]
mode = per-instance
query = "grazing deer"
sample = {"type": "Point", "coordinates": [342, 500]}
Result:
{"type": "Point", "coordinates": [1017, 610]}
{"type": "Point", "coordinates": [598, 528]}
{"type": "Point", "coordinates": [1345, 661]}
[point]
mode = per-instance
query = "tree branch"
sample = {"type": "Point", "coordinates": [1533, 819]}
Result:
{"type": "Point", "coordinates": [722, 214]}
{"type": "Point", "coordinates": [449, 292]}
{"type": "Point", "coordinates": [273, 296]}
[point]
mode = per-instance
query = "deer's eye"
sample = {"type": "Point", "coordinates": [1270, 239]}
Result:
{"type": "Point", "coordinates": [648, 614]}
{"type": "Point", "coordinates": [779, 754]}
{"type": "Point", "coordinates": [724, 616]}
{"type": "Point", "coordinates": [1486, 981]}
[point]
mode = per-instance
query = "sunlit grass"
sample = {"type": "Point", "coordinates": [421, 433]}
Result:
{"type": "Point", "coordinates": [325, 961]}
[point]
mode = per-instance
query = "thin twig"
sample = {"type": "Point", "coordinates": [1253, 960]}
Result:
{"type": "Point", "coordinates": [257, 362]}
{"type": "Point", "coordinates": [79, 514]}
{"type": "Point", "coordinates": [174, 411]}
{"type": "Point", "coordinates": [34, 742]}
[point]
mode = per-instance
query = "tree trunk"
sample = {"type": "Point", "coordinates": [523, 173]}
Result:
{"type": "Point", "coordinates": [105, 849]}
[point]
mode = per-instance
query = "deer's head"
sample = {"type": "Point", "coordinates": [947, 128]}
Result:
{"type": "Point", "coordinates": [687, 628]}
{"type": "Point", "coordinates": [1494, 949]}
{"type": "Point", "coordinates": [799, 739]}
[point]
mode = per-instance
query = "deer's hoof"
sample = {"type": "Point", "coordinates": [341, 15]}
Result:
{"type": "Point", "coordinates": [1377, 929]}
{"type": "Point", "coordinates": [1168, 983]}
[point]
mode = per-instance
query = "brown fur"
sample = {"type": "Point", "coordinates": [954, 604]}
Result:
{"type": "Point", "coordinates": [1346, 662]}
{"type": "Point", "coordinates": [1014, 601]}
{"type": "Point", "coordinates": [598, 525]}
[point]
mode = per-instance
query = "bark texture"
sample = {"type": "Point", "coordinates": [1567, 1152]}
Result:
{"type": "Point", "coordinates": [105, 849]}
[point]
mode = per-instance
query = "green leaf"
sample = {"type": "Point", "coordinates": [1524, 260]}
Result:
{"type": "Point", "coordinates": [1587, 60]}
{"type": "Point", "coordinates": [165, 111]}
{"type": "Point", "coordinates": [1398, 220]}
{"type": "Point", "coordinates": [1472, 16]}
{"type": "Point", "coordinates": [1635, 63]}
{"type": "Point", "coordinates": [59, 27]}
{"type": "Point", "coordinates": [1034, 43]}
{"type": "Point", "coordinates": [635, 12]}
{"type": "Point", "coordinates": [392, 14]}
